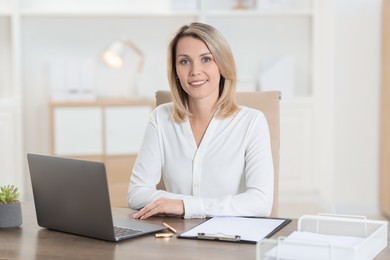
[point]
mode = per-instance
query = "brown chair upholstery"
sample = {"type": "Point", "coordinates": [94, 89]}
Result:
{"type": "Point", "coordinates": [268, 103]}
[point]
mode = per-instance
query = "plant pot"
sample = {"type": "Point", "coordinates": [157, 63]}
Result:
{"type": "Point", "coordinates": [10, 215]}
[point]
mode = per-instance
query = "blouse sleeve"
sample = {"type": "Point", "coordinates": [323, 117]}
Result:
{"type": "Point", "coordinates": [146, 173]}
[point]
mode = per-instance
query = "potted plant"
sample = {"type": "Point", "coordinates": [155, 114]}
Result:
{"type": "Point", "coordinates": [10, 209]}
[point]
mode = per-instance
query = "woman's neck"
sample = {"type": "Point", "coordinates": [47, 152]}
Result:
{"type": "Point", "coordinates": [201, 115]}
{"type": "Point", "coordinates": [202, 110]}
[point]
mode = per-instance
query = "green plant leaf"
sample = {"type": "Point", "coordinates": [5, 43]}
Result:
{"type": "Point", "coordinates": [8, 194]}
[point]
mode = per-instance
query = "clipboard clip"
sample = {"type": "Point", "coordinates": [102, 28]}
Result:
{"type": "Point", "coordinates": [219, 236]}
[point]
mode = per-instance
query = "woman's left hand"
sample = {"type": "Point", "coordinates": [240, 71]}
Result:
{"type": "Point", "coordinates": [161, 206]}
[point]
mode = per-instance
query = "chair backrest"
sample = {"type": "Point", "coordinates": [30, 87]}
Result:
{"type": "Point", "coordinates": [268, 103]}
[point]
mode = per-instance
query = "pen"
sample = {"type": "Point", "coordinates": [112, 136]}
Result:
{"type": "Point", "coordinates": [169, 227]}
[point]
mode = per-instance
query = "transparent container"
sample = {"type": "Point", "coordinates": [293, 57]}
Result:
{"type": "Point", "coordinates": [326, 237]}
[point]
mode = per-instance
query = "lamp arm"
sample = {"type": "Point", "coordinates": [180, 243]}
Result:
{"type": "Point", "coordinates": [134, 47]}
{"type": "Point", "coordinates": [138, 51]}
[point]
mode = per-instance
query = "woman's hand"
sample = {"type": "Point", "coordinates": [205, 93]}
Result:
{"type": "Point", "coordinates": [161, 206]}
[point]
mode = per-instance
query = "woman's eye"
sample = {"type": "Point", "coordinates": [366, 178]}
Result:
{"type": "Point", "coordinates": [184, 61]}
{"type": "Point", "coordinates": [206, 59]}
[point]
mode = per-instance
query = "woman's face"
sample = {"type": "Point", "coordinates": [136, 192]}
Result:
{"type": "Point", "coordinates": [197, 71]}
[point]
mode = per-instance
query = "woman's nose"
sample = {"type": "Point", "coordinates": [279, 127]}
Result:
{"type": "Point", "coordinates": [195, 70]}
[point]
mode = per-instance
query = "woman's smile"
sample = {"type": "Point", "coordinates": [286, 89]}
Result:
{"type": "Point", "coordinates": [198, 83]}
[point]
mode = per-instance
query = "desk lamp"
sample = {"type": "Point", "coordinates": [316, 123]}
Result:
{"type": "Point", "coordinates": [115, 55]}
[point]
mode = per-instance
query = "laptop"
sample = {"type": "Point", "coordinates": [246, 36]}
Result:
{"type": "Point", "coordinates": [72, 196]}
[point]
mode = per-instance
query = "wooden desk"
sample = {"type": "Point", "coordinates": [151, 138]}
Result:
{"type": "Point", "coordinates": [32, 242]}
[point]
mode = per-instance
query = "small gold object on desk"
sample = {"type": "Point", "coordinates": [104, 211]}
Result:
{"type": "Point", "coordinates": [169, 227]}
{"type": "Point", "coordinates": [163, 235]}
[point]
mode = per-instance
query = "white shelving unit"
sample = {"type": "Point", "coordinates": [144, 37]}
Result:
{"type": "Point", "coordinates": [33, 33]}
{"type": "Point", "coordinates": [11, 169]}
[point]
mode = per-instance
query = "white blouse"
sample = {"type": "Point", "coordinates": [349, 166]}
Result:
{"type": "Point", "coordinates": [230, 173]}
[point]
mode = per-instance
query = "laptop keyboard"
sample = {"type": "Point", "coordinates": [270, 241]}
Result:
{"type": "Point", "coordinates": [124, 232]}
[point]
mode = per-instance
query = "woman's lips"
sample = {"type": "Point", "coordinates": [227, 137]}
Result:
{"type": "Point", "coordinates": [198, 83]}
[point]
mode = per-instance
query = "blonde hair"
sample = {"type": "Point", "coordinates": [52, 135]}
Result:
{"type": "Point", "coordinates": [224, 59]}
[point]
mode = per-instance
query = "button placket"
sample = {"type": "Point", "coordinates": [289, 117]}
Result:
{"type": "Point", "coordinates": [197, 174]}
{"type": "Point", "coordinates": [197, 161]}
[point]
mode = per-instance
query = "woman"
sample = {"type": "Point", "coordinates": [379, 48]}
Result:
{"type": "Point", "coordinates": [215, 156]}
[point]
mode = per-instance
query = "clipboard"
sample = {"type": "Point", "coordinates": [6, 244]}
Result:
{"type": "Point", "coordinates": [236, 229]}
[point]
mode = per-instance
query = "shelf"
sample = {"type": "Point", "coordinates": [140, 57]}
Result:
{"type": "Point", "coordinates": [254, 13]}
{"type": "Point", "coordinates": [173, 14]}
{"type": "Point", "coordinates": [104, 13]}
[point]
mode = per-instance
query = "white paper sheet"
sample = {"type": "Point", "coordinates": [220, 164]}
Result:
{"type": "Point", "coordinates": [249, 229]}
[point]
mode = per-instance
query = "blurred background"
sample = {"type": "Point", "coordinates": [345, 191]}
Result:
{"type": "Point", "coordinates": [61, 94]}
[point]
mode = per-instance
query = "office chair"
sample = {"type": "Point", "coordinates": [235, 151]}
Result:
{"type": "Point", "coordinates": [268, 103]}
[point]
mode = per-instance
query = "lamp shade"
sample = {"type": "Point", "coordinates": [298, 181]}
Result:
{"type": "Point", "coordinates": [116, 55]}
{"type": "Point", "coordinates": [113, 56]}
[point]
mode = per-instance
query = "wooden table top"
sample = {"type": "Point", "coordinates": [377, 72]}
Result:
{"type": "Point", "coordinates": [33, 242]}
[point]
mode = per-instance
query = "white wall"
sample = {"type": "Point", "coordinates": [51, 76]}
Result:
{"type": "Point", "coordinates": [356, 119]}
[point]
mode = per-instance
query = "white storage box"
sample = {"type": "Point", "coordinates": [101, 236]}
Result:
{"type": "Point", "coordinates": [328, 237]}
